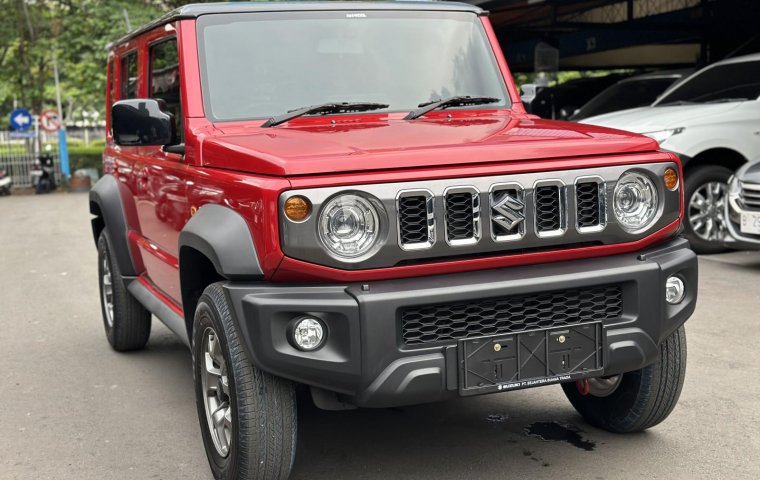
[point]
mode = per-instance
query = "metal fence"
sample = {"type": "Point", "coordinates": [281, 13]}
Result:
{"type": "Point", "coordinates": [17, 157]}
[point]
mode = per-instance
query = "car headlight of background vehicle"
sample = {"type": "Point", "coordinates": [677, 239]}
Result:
{"type": "Point", "coordinates": [348, 225]}
{"type": "Point", "coordinates": [635, 202]}
{"type": "Point", "coordinates": [661, 136]}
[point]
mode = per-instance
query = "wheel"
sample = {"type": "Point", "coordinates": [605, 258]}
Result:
{"type": "Point", "coordinates": [247, 417]}
{"type": "Point", "coordinates": [705, 197]}
{"type": "Point", "coordinates": [126, 321]}
{"type": "Point", "coordinates": [637, 400]}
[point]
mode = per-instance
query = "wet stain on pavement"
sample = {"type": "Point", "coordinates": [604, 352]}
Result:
{"type": "Point", "coordinates": [556, 432]}
{"type": "Point", "coordinates": [496, 418]}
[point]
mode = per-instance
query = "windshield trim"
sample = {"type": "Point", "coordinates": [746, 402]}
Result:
{"type": "Point", "coordinates": [506, 103]}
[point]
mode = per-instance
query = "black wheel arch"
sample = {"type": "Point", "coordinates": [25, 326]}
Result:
{"type": "Point", "coordinates": [108, 209]}
{"type": "Point", "coordinates": [723, 157]}
{"type": "Point", "coordinates": [215, 245]}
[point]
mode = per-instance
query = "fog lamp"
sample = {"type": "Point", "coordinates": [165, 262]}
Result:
{"type": "Point", "coordinates": [674, 290]}
{"type": "Point", "coordinates": [308, 333]}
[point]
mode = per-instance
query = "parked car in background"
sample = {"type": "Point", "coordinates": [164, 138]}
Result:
{"type": "Point", "coordinates": [743, 208]}
{"type": "Point", "coordinates": [711, 120]}
{"type": "Point", "coordinates": [638, 91]}
{"type": "Point", "coordinates": [560, 101]}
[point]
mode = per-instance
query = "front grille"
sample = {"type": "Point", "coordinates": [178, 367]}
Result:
{"type": "Point", "coordinates": [548, 208]}
{"type": "Point", "coordinates": [750, 196]}
{"type": "Point", "coordinates": [413, 222]}
{"type": "Point", "coordinates": [588, 204]}
{"type": "Point", "coordinates": [504, 315]}
{"type": "Point", "coordinates": [460, 216]}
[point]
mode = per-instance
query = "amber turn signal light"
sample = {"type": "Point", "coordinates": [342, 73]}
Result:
{"type": "Point", "coordinates": [297, 208]}
{"type": "Point", "coordinates": [671, 179]}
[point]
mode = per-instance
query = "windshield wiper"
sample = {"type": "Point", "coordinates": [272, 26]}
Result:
{"type": "Point", "coordinates": [449, 102]}
{"type": "Point", "coordinates": [324, 109]}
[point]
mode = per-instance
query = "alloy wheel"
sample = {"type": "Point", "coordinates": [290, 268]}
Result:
{"type": "Point", "coordinates": [603, 386]}
{"type": "Point", "coordinates": [706, 211]}
{"type": "Point", "coordinates": [107, 290]}
{"type": "Point", "coordinates": [216, 392]}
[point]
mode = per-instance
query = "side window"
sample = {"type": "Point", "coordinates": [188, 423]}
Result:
{"type": "Point", "coordinates": [129, 76]}
{"type": "Point", "coordinates": [164, 79]}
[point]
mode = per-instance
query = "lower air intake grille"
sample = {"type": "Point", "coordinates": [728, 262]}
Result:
{"type": "Point", "coordinates": [587, 199]}
{"type": "Point", "coordinates": [547, 208]}
{"type": "Point", "coordinates": [496, 316]}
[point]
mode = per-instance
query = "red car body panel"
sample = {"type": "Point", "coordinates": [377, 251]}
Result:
{"type": "Point", "coordinates": [246, 167]}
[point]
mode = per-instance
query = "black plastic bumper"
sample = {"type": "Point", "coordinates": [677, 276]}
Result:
{"type": "Point", "coordinates": [366, 360]}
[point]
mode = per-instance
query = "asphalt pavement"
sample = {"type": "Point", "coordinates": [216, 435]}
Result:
{"type": "Point", "coordinates": [71, 408]}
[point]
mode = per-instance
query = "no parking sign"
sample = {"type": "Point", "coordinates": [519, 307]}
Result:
{"type": "Point", "coordinates": [49, 121]}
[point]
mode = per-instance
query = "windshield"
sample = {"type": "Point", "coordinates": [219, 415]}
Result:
{"type": "Point", "coordinates": [258, 65]}
{"type": "Point", "coordinates": [723, 83]}
{"type": "Point", "coordinates": [624, 95]}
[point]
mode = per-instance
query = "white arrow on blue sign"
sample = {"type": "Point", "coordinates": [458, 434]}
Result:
{"type": "Point", "coordinates": [21, 119]}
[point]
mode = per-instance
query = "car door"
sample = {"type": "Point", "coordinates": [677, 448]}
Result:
{"type": "Point", "coordinates": [161, 176]}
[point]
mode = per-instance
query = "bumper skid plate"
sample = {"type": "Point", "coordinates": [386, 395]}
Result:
{"type": "Point", "coordinates": [529, 359]}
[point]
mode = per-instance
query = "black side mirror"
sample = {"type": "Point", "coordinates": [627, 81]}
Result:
{"type": "Point", "coordinates": [141, 122]}
{"type": "Point", "coordinates": [529, 94]}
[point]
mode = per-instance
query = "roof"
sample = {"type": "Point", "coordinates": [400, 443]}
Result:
{"type": "Point", "coordinates": [195, 10]}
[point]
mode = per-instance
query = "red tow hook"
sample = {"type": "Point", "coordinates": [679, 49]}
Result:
{"type": "Point", "coordinates": [583, 386]}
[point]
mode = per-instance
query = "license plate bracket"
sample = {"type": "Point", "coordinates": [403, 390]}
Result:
{"type": "Point", "coordinates": [528, 359]}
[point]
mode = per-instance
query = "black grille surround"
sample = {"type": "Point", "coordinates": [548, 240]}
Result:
{"type": "Point", "coordinates": [449, 322]}
{"type": "Point", "coordinates": [413, 226]}
{"type": "Point", "coordinates": [589, 204]}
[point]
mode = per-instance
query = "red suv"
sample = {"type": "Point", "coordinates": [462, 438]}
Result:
{"type": "Point", "coordinates": [352, 197]}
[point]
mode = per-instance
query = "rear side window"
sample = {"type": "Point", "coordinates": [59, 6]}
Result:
{"type": "Point", "coordinates": [164, 78]}
{"type": "Point", "coordinates": [129, 75]}
{"type": "Point", "coordinates": [724, 83]}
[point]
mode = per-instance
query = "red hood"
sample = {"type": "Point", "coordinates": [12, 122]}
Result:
{"type": "Point", "coordinates": [379, 142]}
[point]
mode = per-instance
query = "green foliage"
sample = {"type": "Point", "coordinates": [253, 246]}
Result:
{"type": "Point", "coordinates": [78, 32]}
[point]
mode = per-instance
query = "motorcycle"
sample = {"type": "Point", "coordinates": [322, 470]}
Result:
{"type": "Point", "coordinates": [6, 182]}
{"type": "Point", "coordinates": [43, 175]}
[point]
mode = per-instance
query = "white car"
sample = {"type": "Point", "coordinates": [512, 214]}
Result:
{"type": "Point", "coordinates": [711, 120]}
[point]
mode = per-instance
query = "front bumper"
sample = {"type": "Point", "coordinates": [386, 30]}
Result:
{"type": "Point", "coordinates": [367, 362]}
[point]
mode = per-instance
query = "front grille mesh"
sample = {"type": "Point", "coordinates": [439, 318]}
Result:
{"type": "Point", "coordinates": [588, 204]}
{"type": "Point", "coordinates": [496, 316]}
{"type": "Point", "coordinates": [460, 222]}
{"type": "Point", "coordinates": [413, 222]}
{"type": "Point", "coordinates": [750, 196]}
{"type": "Point", "coordinates": [547, 208]}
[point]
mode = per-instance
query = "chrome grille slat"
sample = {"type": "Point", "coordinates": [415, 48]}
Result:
{"type": "Point", "coordinates": [750, 196]}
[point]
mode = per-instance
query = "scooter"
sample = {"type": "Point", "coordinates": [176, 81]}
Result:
{"type": "Point", "coordinates": [43, 175]}
{"type": "Point", "coordinates": [6, 182]}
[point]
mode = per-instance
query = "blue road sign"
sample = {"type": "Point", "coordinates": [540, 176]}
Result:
{"type": "Point", "coordinates": [21, 119]}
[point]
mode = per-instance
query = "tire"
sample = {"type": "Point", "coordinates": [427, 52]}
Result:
{"type": "Point", "coordinates": [258, 416]}
{"type": "Point", "coordinates": [127, 324]}
{"type": "Point", "coordinates": [643, 398]}
{"type": "Point", "coordinates": [698, 180]}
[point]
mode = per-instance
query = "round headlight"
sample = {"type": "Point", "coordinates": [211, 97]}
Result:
{"type": "Point", "coordinates": [348, 225]}
{"type": "Point", "coordinates": [635, 202]}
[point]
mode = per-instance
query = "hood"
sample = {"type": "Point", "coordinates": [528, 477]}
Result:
{"type": "Point", "coordinates": [317, 145]}
{"type": "Point", "coordinates": [652, 119]}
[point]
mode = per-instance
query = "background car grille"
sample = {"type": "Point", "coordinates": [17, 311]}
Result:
{"type": "Point", "coordinates": [547, 208]}
{"type": "Point", "coordinates": [413, 219]}
{"type": "Point", "coordinates": [460, 220]}
{"type": "Point", "coordinates": [750, 196]}
{"type": "Point", "coordinates": [494, 316]}
{"type": "Point", "coordinates": [588, 204]}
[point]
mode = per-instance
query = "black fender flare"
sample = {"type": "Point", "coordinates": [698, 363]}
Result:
{"type": "Point", "coordinates": [106, 205]}
{"type": "Point", "coordinates": [223, 236]}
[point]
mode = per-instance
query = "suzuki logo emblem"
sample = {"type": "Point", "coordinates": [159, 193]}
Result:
{"type": "Point", "coordinates": [508, 209]}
